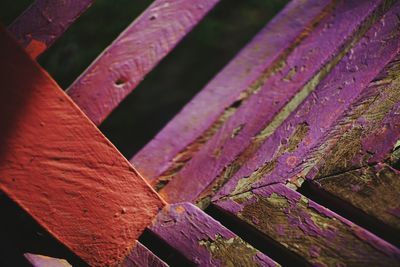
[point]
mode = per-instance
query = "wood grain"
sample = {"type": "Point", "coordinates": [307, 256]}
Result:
{"type": "Point", "coordinates": [284, 147]}
{"type": "Point", "coordinates": [58, 166]}
{"type": "Point", "coordinates": [185, 134]}
{"type": "Point", "coordinates": [309, 230]}
{"type": "Point", "coordinates": [375, 190]}
{"type": "Point", "coordinates": [277, 97]}
{"type": "Point", "coordinates": [203, 240]}
{"type": "Point", "coordinates": [124, 64]}
{"type": "Point", "coordinates": [44, 21]}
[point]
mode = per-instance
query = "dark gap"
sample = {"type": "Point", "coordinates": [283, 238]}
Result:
{"type": "Point", "coordinates": [186, 70]}
{"type": "Point", "coordinates": [348, 211]}
{"type": "Point", "coordinates": [10, 10]}
{"type": "Point", "coordinates": [20, 234]}
{"type": "Point", "coordinates": [237, 104]}
{"type": "Point", "coordinates": [88, 36]}
{"type": "Point", "coordinates": [164, 251]}
{"type": "Point", "coordinates": [256, 238]}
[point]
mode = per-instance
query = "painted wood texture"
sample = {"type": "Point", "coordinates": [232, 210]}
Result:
{"type": "Point", "coordinates": [45, 261]}
{"type": "Point", "coordinates": [366, 134]}
{"type": "Point", "coordinates": [58, 166]}
{"type": "Point", "coordinates": [311, 231]}
{"type": "Point", "coordinates": [44, 22]}
{"type": "Point", "coordinates": [284, 146]}
{"type": "Point", "coordinates": [124, 64]}
{"type": "Point", "coordinates": [293, 80]}
{"type": "Point", "coordinates": [203, 240]}
{"type": "Point", "coordinates": [141, 256]}
{"type": "Point", "coordinates": [205, 114]}
{"type": "Point", "coordinates": [347, 162]}
{"type": "Point", "coordinates": [373, 189]}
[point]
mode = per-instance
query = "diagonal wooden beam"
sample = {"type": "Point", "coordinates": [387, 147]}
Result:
{"type": "Point", "coordinates": [43, 22]}
{"type": "Point", "coordinates": [203, 240]}
{"type": "Point", "coordinates": [59, 167]}
{"type": "Point", "coordinates": [308, 229]}
{"type": "Point", "coordinates": [124, 64]}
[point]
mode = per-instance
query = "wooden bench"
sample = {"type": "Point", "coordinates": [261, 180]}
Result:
{"type": "Point", "coordinates": [288, 156]}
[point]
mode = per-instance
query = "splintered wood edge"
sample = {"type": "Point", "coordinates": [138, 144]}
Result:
{"type": "Point", "coordinates": [138, 49]}
{"type": "Point", "coordinates": [203, 240]}
{"type": "Point", "coordinates": [43, 22]}
{"type": "Point", "coordinates": [58, 166]}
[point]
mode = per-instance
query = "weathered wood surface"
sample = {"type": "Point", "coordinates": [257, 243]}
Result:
{"type": "Point", "coordinates": [140, 256]}
{"type": "Point", "coordinates": [366, 134]}
{"type": "Point", "coordinates": [285, 147]}
{"type": "Point", "coordinates": [282, 92]}
{"type": "Point", "coordinates": [58, 166]}
{"type": "Point", "coordinates": [205, 114]}
{"type": "Point", "coordinates": [203, 240]}
{"type": "Point", "coordinates": [346, 163]}
{"type": "Point", "coordinates": [45, 261]}
{"type": "Point", "coordinates": [124, 64]}
{"type": "Point", "coordinates": [44, 22]}
{"type": "Point", "coordinates": [374, 190]}
{"type": "Point", "coordinates": [308, 229]}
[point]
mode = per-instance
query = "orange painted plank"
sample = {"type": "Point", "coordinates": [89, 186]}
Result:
{"type": "Point", "coordinates": [59, 167]}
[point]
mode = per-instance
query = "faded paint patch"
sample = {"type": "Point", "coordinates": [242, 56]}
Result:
{"type": "Point", "coordinates": [231, 252]}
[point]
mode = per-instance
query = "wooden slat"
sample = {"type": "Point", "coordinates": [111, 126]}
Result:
{"type": "Point", "coordinates": [203, 240]}
{"type": "Point", "coordinates": [285, 146]}
{"type": "Point", "coordinates": [124, 64]}
{"type": "Point", "coordinates": [44, 22]}
{"type": "Point", "coordinates": [374, 190]}
{"type": "Point", "coordinates": [311, 231]}
{"type": "Point", "coordinates": [201, 117]}
{"type": "Point", "coordinates": [345, 163]}
{"type": "Point", "coordinates": [282, 92]}
{"type": "Point", "coordinates": [366, 134]}
{"type": "Point", "coordinates": [43, 261]}
{"type": "Point", "coordinates": [58, 166]}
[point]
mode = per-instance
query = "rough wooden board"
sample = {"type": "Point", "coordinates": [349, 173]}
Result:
{"type": "Point", "coordinates": [45, 261]}
{"type": "Point", "coordinates": [44, 22]}
{"type": "Point", "coordinates": [289, 143]}
{"type": "Point", "coordinates": [141, 256]}
{"type": "Point", "coordinates": [201, 117]}
{"type": "Point", "coordinates": [58, 166]}
{"type": "Point", "coordinates": [124, 64]}
{"type": "Point", "coordinates": [366, 134]}
{"type": "Point", "coordinates": [308, 229]}
{"type": "Point", "coordinates": [284, 90]}
{"type": "Point", "coordinates": [203, 240]}
{"type": "Point", "coordinates": [374, 190]}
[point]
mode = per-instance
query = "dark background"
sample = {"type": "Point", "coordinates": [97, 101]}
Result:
{"type": "Point", "coordinates": [204, 52]}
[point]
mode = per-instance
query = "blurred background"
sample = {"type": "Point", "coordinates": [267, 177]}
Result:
{"type": "Point", "coordinates": [183, 73]}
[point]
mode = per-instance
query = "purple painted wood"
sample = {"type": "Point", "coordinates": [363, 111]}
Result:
{"type": "Point", "coordinates": [285, 148]}
{"type": "Point", "coordinates": [202, 116]}
{"type": "Point", "coordinates": [141, 256]}
{"type": "Point", "coordinates": [279, 95]}
{"type": "Point", "coordinates": [45, 261]}
{"type": "Point", "coordinates": [346, 163]}
{"type": "Point", "coordinates": [124, 64]}
{"type": "Point", "coordinates": [311, 231]}
{"type": "Point", "coordinates": [203, 240]}
{"type": "Point", "coordinates": [44, 22]}
{"type": "Point", "coordinates": [365, 135]}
